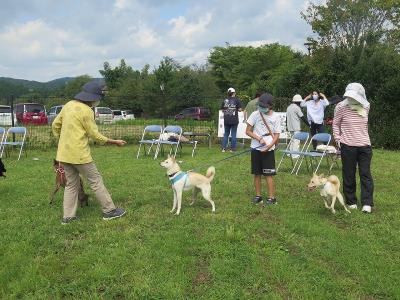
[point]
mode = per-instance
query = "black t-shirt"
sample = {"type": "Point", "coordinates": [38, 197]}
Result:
{"type": "Point", "coordinates": [230, 108]}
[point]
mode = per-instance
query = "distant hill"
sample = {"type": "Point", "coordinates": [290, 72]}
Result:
{"type": "Point", "coordinates": [36, 85]}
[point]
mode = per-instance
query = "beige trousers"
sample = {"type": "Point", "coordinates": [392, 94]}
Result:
{"type": "Point", "coordinates": [90, 172]}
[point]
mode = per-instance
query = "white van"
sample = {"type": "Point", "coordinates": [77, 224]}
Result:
{"type": "Point", "coordinates": [128, 115]}
{"type": "Point", "coordinates": [103, 115]}
{"type": "Point", "coordinates": [5, 116]}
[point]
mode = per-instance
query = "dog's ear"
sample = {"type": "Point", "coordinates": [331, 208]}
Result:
{"type": "Point", "coordinates": [173, 158]}
{"type": "Point", "coordinates": [321, 176]}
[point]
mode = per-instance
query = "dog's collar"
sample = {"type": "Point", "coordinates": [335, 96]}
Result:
{"type": "Point", "coordinates": [172, 175]}
{"type": "Point", "coordinates": [173, 178]}
{"type": "Point", "coordinates": [322, 186]}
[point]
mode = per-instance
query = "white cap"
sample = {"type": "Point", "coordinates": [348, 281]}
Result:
{"type": "Point", "coordinates": [231, 90]}
{"type": "Point", "coordinates": [357, 92]}
{"type": "Point", "coordinates": [297, 98]}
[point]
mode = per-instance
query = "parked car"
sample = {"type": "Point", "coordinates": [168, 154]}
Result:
{"type": "Point", "coordinates": [103, 115]}
{"type": "Point", "coordinates": [117, 115]}
{"type": "Point", "coordinates": [194, 113]}
{"type": "Point", "coordinates": [30, 113]}
{"type": "Point", "coordinates": [5, 116]}
{"type": "Point", "coordinates": [53, 112]}
{"type": "Point", "coordinates": [128, 115]}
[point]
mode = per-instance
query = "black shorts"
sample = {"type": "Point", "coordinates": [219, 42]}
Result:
{"type": "Point", "coordinates": [263, 163]}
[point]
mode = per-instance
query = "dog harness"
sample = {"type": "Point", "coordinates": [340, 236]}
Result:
{"type": "Point", "coordinates": [173, 178]}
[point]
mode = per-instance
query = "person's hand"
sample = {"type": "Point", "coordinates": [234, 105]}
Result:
{"type": "Point", "coordinates": [119, 143]}
{"type": "Point", "coordinates": [261, 141]}
{"type": "Point", "coordinates": [265, 149]}
{"type": "Point", "coordinates": [323, 95]}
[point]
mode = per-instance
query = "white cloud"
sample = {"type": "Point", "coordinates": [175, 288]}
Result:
{"type": "Point", "coordinates": [144, 36]}
{"type": "Point", "coordinates": [50, 39]}
{"type": "Point", "coordinates": [189, 31]}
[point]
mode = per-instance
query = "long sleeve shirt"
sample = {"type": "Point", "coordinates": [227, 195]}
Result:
{"type": "Point", "coordinates": [73, 126]}
{"type": "Point", "coordinates": [349, 127]}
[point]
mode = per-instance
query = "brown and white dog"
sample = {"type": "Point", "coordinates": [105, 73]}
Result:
{"type": "Point", "coordinates": [183, 181]}
{"type": "Point", "coordinates": [329, 189]}
{"type": "Point", "coordinates": [61, 182]}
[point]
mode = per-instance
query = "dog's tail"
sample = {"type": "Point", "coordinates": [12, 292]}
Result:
{"type": "Point", "coordinates": [210, 173]}
{"type": "Point", "coordinates": [334, 180]}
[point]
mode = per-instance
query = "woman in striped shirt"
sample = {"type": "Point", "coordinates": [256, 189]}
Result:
{"type": "Point", "coordinates": [350, 129]}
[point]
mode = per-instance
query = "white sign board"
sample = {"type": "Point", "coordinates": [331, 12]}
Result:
{"type": "Point", "coordinates": [241, 131]}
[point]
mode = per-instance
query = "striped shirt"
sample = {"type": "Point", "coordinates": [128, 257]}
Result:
{"type": "Point", "coordinates": [349, 127]}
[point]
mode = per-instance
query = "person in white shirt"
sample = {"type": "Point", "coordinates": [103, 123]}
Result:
{"type": "Point", "coordinates": [264, 127]}
{"type": "Point", "coordinates": [315, 104]}
{"type": "Point", "coordinates": [293, 117]}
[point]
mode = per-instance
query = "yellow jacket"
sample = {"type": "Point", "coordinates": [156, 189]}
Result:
{"type": "Point", "coordinates": [73, 126]}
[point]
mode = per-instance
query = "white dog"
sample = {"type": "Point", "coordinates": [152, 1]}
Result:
{"type": "Point", "coordinates": [329, 189]}
{"type": "Point", "coordinates": [183, 181]}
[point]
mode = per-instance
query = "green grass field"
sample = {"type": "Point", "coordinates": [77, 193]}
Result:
{"type": "Point", "coordinates": [296, 249]}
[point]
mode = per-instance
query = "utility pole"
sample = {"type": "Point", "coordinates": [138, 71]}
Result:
{"type": "Point", "coordinates": [309, 46]}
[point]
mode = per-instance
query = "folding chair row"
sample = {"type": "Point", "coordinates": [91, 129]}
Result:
{"type": "Point", "coordinates": [6, 137]}
{"type": "Point", "coordinates": [161, 137]}
{"type": "Point", "coordinates": [305, 151]}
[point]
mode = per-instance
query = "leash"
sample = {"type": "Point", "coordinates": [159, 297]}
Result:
{"type": "Point", "coordinates": [226, 158]}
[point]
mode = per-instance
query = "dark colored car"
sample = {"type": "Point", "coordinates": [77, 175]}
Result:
{"type": "Point", "coordinates": [194, 113]}
{"type": "Point", "coordinates": [30, 113]}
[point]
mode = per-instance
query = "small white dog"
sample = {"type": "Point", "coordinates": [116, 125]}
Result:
{"type": "Point", "coordinates": [183, 181]}
{"type": "Point", "coordinates": [329, 189]}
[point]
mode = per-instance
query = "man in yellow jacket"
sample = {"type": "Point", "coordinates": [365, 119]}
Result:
{"type": "Point", "coordinates": [73, 126]}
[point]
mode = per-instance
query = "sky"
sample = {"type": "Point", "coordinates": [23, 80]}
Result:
{"type": "Point", "coordinates": [45, 39]}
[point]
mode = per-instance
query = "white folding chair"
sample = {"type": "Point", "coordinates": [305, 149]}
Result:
{"type": "Point", "coordinates": [14, 131]}
{"type": "Point", "coordinates": [155, 131]}
{"type": "Point", "coordinates": [319, 138]}
{"type": "Point", "coordinates": [300, 136]}
{"type": "Point", "coordinates": [2, 134]}
{"type": "Point", "coordinates": [177, 130]}
{"type": "Point", "coordinates": [192, 143]}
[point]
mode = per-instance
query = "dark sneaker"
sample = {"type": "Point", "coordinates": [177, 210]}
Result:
{"type": "Point", "coordinates": [68, 220]}
{"type": "Point", "coordinates": [270, 201]}
{"type": "Point", "coordinates": [257, 199]}
{"type": "Point", "coordinates": [116, 213]}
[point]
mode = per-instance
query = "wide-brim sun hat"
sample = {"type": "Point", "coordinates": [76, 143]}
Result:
{"type": "Point", "coordinates": [356, 91]}
{"type": "Point", "coordinates": [297, 98]}
{"type": "Point", "coordinates": [91, 91]}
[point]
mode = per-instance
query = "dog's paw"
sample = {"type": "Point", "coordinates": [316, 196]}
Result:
{"type": "Point", "coordinates": [177, 213]}
{"type": "Point", "coordinates": [172, 210]}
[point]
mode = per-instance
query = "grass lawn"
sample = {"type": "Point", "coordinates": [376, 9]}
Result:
{"type": "Point", "coordinates": [296, 249]}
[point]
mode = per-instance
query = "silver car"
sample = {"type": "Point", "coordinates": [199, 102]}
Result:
{"type": "Point", "coordinates": [103, 115]}
{"type": "Point", "coordinates": [53, 112]}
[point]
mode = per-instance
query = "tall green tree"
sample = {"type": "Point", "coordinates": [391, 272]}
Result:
{"type": "Point", "coordinates": [249, 69]}
{"type": "Point", "coordinates": [114, 76]}
{"type": "Point", "coordinates": [354, 24]}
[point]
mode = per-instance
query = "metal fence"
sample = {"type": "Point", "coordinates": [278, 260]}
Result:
{"type": "Point", "coordinates": [41, 137]}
